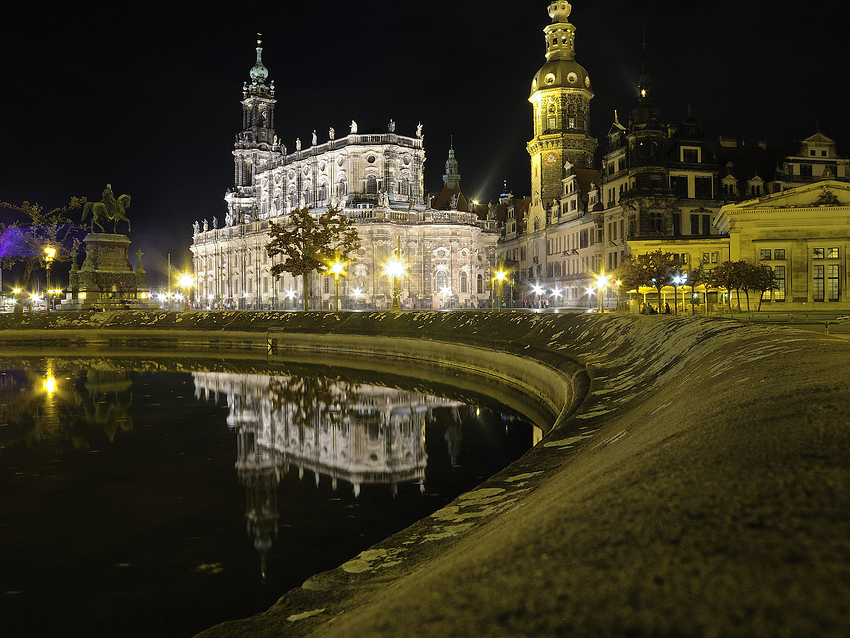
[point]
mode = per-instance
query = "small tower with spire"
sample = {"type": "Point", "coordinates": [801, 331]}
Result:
{"type": "Point", "coordinates": [452, 176]}
{"type": "Point", "coordinates": [257, 137]}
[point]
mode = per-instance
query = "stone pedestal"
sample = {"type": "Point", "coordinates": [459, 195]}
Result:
{"type": "Point", "coordinates": [106, 280]}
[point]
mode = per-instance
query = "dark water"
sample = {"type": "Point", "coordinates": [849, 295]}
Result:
{"type": "Point", "coordinates": [159, 503]}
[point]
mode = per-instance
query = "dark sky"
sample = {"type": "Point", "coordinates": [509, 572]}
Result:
{"type": "Point", "coordinates": [148, 97]}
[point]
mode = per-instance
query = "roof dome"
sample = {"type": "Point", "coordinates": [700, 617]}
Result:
{"type": "Point", "coordinates": [259, 73]}
{"type": "Point", "coordinates": [561, 74]}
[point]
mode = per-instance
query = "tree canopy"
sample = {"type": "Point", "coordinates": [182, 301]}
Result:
{"type": "Point", "coordinates": [24, 239]}
{"type": "Point", "coordinates": [308, 242]}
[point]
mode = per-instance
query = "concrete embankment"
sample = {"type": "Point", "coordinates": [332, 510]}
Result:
{"type": "Point", "coordinates": [696, 483]}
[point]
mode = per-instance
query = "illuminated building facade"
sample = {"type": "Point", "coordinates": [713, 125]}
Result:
{"type": "Point", "coordinates": [661, 186]}
{"type": "Point", "coordinates": [377, 178]}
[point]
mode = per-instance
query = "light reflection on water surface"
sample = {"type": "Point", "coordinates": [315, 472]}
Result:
{"type": "Point", "coordinates": [142, 503]}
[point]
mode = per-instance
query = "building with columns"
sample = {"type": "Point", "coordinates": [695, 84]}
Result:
{"type": "Point", "coordinates": [377, 178]}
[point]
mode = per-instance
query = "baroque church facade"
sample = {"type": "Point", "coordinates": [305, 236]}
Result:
{"type": "Point", "coordinates": [660, 186]}
{"type": "Point", "coordinates": [377, 178]}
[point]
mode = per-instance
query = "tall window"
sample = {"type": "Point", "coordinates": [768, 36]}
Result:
{"type": "Point", "coordinates": [371, 185]}
{"type": "Point", "coordinates": [464, 282]}
{"type": "Point", "coordinates": [832, 282]}
{"type": "Point", "coordinates": [480, 284]}
{"type": "Point", "coordinates": [779, 293]}
{"type": "Point", "coordinates": [817, 277]}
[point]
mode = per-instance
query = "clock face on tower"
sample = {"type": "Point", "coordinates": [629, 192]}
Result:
{"type": "Point", "coordinates": [550, 158]}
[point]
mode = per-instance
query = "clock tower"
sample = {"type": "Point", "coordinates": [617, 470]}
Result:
{"type": "Point", "coordinates": [560, 94]}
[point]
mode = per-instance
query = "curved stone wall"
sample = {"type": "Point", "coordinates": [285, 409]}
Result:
{"type": "Point", "coordinates": [700, 488]}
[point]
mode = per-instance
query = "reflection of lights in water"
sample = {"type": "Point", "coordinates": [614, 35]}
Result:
{"type": "Point", "coordinates": [50, 385]}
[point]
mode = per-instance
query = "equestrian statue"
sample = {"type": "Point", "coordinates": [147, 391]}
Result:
{"type": "Point", "coordinates": [108, 208]}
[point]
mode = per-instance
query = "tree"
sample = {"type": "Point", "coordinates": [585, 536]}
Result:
{"type": "Point", "coordinates": [725, 276]}
{"type": "Point", "coordinates": [764, 279]}
{"type": "Point", "coordinates": [308, 242]}
{"type": "Point", "coordinates": [652, 270]}
{"type": "Point", "coordinates": [696, 277]}
{"type": "Point", "coordinates": [23, 241]}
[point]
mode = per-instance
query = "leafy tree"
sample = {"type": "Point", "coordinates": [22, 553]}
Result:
{"type": "Point", "coordinates": [23, 240]}
{"type": "Point", "coordinates": [651, 270]}
{"type": "Point", "coordinates": [696, 277]}
{"type": "Point", "coordinates": [309, 241]}
{"type": "Point", "coordinates": [725, 276]}
{"type": "Point", "coordinates": [764, 279]}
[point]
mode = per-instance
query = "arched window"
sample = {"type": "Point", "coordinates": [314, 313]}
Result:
{"type": "Point", "coordinates": [464, 282]}
{"type": "Point", "coordinates": [343, 188]}
{"type": "Point", "coordinates": [371, 185]}
{"type": "Point", "coordinates": [571, 116]}
{"type": "Point", "coordinates": [480, 285]}
{"type": "Point", "coordinates": [441, 280]}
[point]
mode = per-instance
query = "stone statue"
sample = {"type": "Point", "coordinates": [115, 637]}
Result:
{"type": "Point", "coordinates": [229, 218]}
{"type": "Point", "coordinates": [298, 144]}
{"type": "Point", "coordinates": [419, 131]}
{"type": "Point", "coordinates": [353, 127]}
{"type": "Point", "coordinates": [315, 139]}
{"type": "Point", "coordinates": [206, 225]}
{"type": "Point", "coordinates": [108, 208]}
{"type": "Point", "coordinates": [196, 227]}
{"type": "Point", "coordinates": [332, 133]}
{"type": "Point", "coordinates": [454, 201]}
{"type": "Point", "coordinates": [215, 223]}
{"type": "Point", "coordinates": [391, 127]}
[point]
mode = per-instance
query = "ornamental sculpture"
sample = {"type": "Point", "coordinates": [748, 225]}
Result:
{"type": "Point", "coordinates": [108, 208]}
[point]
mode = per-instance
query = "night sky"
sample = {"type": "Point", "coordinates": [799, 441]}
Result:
{"type": "Point", "coordinates": [147, 98]}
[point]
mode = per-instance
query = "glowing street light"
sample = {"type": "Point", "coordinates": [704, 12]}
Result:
{"type": "Point", "coordinates": [186, 281]}
{"type": "Point", "coordinates": [395, 269]}
{"type": "Point", "coordinates": [49, 253]}
{"type": "Point", "coordinates": [602, 282]}
{"type": "Point", "coordinates": [500, 278]}
{"type": "Point", "coordinates": [336, 268]}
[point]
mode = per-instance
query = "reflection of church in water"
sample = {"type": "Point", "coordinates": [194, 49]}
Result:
{"type": "Point", "coordinates": [361, 434]}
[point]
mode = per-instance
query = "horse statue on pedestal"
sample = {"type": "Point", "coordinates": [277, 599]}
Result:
{"type": "Point", "coordinates": [108, 208]}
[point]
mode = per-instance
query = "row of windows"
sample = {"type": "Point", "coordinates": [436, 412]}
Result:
{"type": "Point", "coordinates": [778, 254]}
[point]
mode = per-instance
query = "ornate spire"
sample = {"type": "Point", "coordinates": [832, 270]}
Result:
{"type": "Point", "coordinates": [452, 176]}
{"type": "Point", "coordinates": [259, 73]}
{"type": "Point", "coordinates": [560, 35]}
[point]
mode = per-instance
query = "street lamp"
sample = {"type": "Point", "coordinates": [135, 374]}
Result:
{"type": "Point", "coordinates": [336, 268]}
{"type": "Point", "coordinates": [538, 290]}
{"type": "Point", "coordinates": [50, 253]}
{"type": "Point", "coordinates": [602, 282]}
{"type": "Point", "coordinates": [395, 269]}
{"type": "Point", "coordinates": [186, 281]}
{"type": "Point", "coordinates": [500, 277]}
{"type": "Point", "coordinates": [678, 280]}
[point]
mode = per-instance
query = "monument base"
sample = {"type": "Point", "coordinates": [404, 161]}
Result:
{"type": "Point", "coordinates": [106, 280]}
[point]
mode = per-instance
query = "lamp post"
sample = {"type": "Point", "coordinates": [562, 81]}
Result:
{"type": "Point", "coordinates": [538, 290]}
{"type": "Point", "coordinates": [50, 253]}
{"type": "Point", "coordinates": [336, 268]}
{"type": "Point", "coordinates": [602, 282]}
{"type": "Point", "coordinates": [186, 282]}
{"type": "Point", "coordinates": [395, 269]}
{"type": "Point", "coordinates": [500, 277]}
{"type": "Point", "coordinates": [678, 280]}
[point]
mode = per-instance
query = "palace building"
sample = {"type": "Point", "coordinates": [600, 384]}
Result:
{"type": "Point", "coordinates": [662, 186]}
{"type": "Point", "coordinates": [377, 178]}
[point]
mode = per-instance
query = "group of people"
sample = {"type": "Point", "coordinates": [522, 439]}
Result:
{"type": "Point", "coordinates": [648, 309]}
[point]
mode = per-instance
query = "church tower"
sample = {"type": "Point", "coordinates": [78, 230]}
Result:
{"type": "Point", "coordinates": [257, 137]}
{"type": "Point", "coordinates": [561, 94]}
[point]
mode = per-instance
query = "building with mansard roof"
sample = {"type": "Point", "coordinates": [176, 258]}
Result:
{"type": "Point", "coordinates": [377, 178]}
